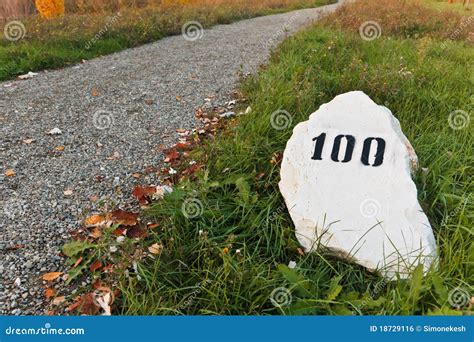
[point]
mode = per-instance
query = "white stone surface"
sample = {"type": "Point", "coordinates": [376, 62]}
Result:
{"type": "Point", "coordinates": [367, 213]}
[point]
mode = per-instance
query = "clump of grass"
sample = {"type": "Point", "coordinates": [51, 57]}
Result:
{"type": "Point", "coordinates": [67, 40]}
{"type": "Point", "coordinates": [401, 18]}
{"type": "Point", "coordinates": [231, 257]}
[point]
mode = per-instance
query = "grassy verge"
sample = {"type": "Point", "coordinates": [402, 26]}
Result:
{"type": "Point", "coordinates": [72, 38]}
{"type": "Point", "coordinates": [221, 241]}
{"type": "Point", "coordinates": [231, 257]}
{"type": "Point", "coordinates": [443, 5]}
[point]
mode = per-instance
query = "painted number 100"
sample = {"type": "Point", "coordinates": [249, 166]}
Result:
{"type": "Point", "coordinates": [351, 142]}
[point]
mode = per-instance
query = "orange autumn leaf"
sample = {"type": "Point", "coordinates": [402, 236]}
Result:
{"type": "Point", "coordinates": [60, 148]}
{"type": "Point", "coordinates": [95, 233]}
{"type": "Point", "coordinates": [75, 305]}
{"type": "Point", "coordinates": [94, 220]}
{"type": "Point", "coordinates": [9, 173]}
{"type": "Point", "coordinates": [95, 265]}
{"type": "Point", "coordinates": [119, 231]}
{"type": "Point", "coordinates": [49, 292]}
{"type": "Point", "coordinates": [77, 263]}
{"type": "Point", "coordinates": [51, 276]}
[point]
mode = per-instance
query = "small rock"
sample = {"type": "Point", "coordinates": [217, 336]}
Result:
{"type": "Point", "coordinates": [17, 282]}
{"type": "Point", "coordinates": [27, 76]}
{"type": "Point", "coordinates": [227, 114]}
{"type": "Point", "coordinates": [55, 131]}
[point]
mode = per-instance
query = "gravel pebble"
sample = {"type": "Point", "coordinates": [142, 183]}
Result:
{"type": "Point", "coordinates": [110, 114]}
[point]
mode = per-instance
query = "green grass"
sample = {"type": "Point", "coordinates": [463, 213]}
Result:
{"type": "Point", "coordinates": [241, 210]}
{"type": "Point", "coordinates": [63, 41]}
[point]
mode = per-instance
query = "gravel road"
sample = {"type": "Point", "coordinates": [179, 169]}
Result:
{"type": "Point", "coordinates": [112, 113]}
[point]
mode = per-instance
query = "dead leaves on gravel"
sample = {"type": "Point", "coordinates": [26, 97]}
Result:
{"type": "Point", "coordinates": [107, 243]}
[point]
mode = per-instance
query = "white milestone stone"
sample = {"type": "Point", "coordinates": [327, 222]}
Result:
{"type": "Point", "coordinates": [346, 181]}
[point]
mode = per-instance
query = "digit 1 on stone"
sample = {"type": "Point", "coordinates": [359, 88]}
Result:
{"type": "Point", "coordinates": [318, 148]}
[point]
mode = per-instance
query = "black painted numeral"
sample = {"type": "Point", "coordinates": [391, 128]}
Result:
{"type": "Point", "coordinates": [337, 146]}
{"type": "Point", "coordinates": [351, 141]}
{"type": "Point", "coordinates": [378, 155]}
{"type": "Point", "coordinates": [318, 148]}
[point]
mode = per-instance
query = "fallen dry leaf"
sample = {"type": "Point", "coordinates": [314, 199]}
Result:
{"type": "Point", "coordinates": [119, 231]}
{"type": "Point", "coordinates": [51, 276]}
{"type": "Point", "coordinates": [78, 261]}
{"type": "Point", "coordinates": [153, 225]}
{"type": "Point", "coordinates": [94, 220]}
{"type": "Point", "coordinates": [28, 141]}
{"type": "Point", "coordinates": [136, 232]}
{"type": "Point", "coordinates": [94, 92]}
{"type": "Point", "coordinates": [142, 193]}
{"type": "Point", "coordinates": [49, 292]}
{"type": "Point", "coordinates": [9, 173]}
{"type": "Point", "coordinates": [95, 265]}
{"type": "Point", "coordinates": [74, 305]}
{"type": "Point", "coordinates": [124, 218]}
{"type": "Point", "coordinates": [95, 233]}
{"type": "Point", "coordinates": [68, 192]}
{"type": "Point", "coordinates": [87, 305]}
{"type": "Point", "coordinates": [172, 156]}
{"type": "Point", "coordinates": [156, 248]}
{"type": "Point", "coordinates": [59, 148]}
{"type": "Point", "coordinates": [59, 300]}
